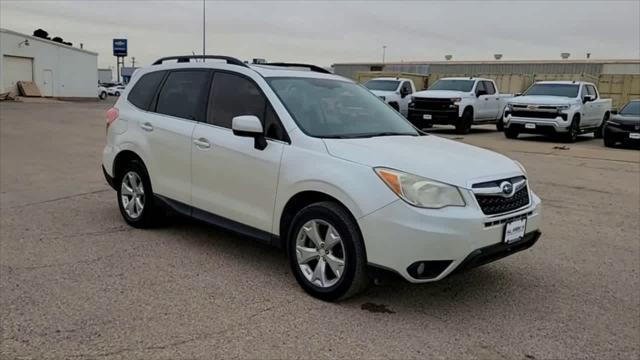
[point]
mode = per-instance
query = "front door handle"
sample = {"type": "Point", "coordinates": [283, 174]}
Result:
{"type": "Point", "coordinates": [147, 126]}
{"type": "Point", "coordinates": [202, 143]}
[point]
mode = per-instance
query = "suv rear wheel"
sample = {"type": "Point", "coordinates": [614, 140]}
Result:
{"type": "Point", "coordinates": [135, 196]}
{"type": "Point", "coordinates": [326, 252]}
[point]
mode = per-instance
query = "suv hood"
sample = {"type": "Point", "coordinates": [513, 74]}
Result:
{"type": "Point", "coordinates": [627, 119]}
{"type": "Point", "coordinates": [429, 156]}
{"type": "Point", "coordinates": [542, 100]}
{"type": "Point", "coordinates": [439, 94]}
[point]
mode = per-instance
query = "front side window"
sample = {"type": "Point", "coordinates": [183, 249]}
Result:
{"type": "Point", "coordinates": [406, 88]}
{"type": "Point", "coordinates": [234, 95]}
{"type": "Point", "coordinates": [184, 94]}
{"type": "Point", "coordinates": [330, 108]}
{"type": "Point", "coordinates": [591, 90]}
{"type": "Point", "coordinates": [480, 89]}
{"type": "Point", "coordinates": [453, 85]}
{"type": "Point", "coordinates": [562, 90]}
{"type": "Point", "coordinates": [382, 85]}
{"type": "Point", "coordinates": [145, 89]}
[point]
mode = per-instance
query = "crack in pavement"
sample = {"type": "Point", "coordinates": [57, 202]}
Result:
{"type": "Point", "coordinates": [56, 199]}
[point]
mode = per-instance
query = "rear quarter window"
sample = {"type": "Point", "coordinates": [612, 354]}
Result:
{"type": "Point", "coordinates": [145, 89]}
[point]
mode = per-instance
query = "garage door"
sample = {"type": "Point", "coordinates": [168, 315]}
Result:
{"type": "Point", "coordinates": [16, 69]}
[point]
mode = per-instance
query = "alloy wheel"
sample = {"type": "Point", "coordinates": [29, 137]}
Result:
{"type": "Point", "coordinates": [320, 253]}
{"type": "Point", "coordinates": [132, 194]}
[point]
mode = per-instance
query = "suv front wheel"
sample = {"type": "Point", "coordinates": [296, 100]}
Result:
{"type": "Point", "coordinates": [326, 252]}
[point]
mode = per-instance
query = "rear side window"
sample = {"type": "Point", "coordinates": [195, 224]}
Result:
{"type": "Point", "coordinates": [234, 95]}
{"type": "Point", "coordinates": [184, 94]}
{"type": "Point", "coordinates": [145, 89]}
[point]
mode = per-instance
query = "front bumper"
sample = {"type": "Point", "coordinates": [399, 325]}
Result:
{"type": "Point", "coordinates": [400, 235]}
{"type": "Point", "coordinates": [443, 117]}
{"type": "Point", "coordinates": [542, 126]}
{"type": "Point", "coordinates": [621, 135]}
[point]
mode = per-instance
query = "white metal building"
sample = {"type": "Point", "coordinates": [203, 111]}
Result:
{"type": "Point", "coordinates": [105, 75]}
{"type": "Point", "coordinates": [59, 70]}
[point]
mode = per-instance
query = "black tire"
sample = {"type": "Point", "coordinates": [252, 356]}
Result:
{"type": "Point", "coordinates": [463, 126]}
{"type": "Point", "coordinates": [354, 278]}
{"type": "Point", "coordinates": [500, 124]}
{"type": "Point", "coordinates": [600, 130]}
{"type": "Point", "coordinates": [103, 95]}
{"type": "Point", "coordinates": [151, 212]}
{"type": "Point", "coordinates": [511, 133]}
{"type": "Point", "coordinates": [117, 93]}
{"type": "Point", "coordinates": [574, 130]}
{"type": "Point", "coordinates": [608, 141]}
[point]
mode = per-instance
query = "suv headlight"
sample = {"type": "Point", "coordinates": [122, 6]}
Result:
{"type": "Point", "coordinates": [456, 100]}
{"type": "Point", "coordinates": [419, 191]}
{"type": "Point", "coordinates": [563, 107]}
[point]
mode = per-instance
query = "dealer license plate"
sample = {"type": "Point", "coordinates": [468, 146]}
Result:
{"type": "Point", "coordinates": [426, 116]}
{"type": "Point", "coordinates": [635, 136]}
{"type": "Point", "coordinates": [529, 126]}
{"type": "Point", "coordinates": [514, 230]}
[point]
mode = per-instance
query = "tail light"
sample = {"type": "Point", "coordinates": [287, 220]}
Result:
{"type": "Point", "coordinates": [112, 115]}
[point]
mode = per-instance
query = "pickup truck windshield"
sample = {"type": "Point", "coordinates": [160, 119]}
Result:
{"type": "Point", "coordinates": [632, 108]}
{"type": "Point", "coordinates": [382, 85]}
{"type": "Point", "coordinates": [338, 109]}
{"type": "Point", "coordinates": [564, 90]}
{"type": "Point", "coordinates": [453, 85]}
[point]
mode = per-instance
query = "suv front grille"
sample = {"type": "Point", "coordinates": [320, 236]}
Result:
{"type": "Point", "coordinates": [534, 114]}
{"type": "Point", "coordinates": [492, 205]}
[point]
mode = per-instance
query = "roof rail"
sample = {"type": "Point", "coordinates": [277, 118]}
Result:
{"type": "Point", "coordinates": [187, 58]}
{"type": "Point", "coordinates": [313, 68]}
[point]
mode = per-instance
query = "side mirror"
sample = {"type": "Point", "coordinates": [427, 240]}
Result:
{"type": "Point", "coordinates": [480, 93]}
{"type": "Point", "coordinates": [518, 94]}
{"type": "Point", "coordinates": [587, 98]}
{"type": "Point", "coordinates": [249, 126]}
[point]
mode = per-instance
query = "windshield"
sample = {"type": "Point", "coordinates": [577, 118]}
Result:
{"type": "Point", "coordinates": [564, 90]}
{"type": "Point", "coordinates": [382, 85]}
{"type": "Point", "coordinates": [338, 109]}
{"type": "Point", "coordinates": [632, 108]}
{"type": "Point", "coordinates": [454, 85]}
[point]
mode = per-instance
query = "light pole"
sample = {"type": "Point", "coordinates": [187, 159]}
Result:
{"type": "Point", "coordinates": [384, 50]}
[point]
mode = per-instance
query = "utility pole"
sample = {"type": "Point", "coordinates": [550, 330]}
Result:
{"type": "Point", "coordinates": [384, 50]}
{"type": "Point", "coordinates": [204, 32]}
{"type": "Point", "coordinates": [133, 61]}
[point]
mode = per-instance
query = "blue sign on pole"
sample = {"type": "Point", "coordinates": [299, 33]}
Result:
{"type": "Point", "coordinates": [119, 47]}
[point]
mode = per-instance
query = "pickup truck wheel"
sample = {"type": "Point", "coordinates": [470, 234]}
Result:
{"type": "Point", "coordinates": [599, 132]}
{"type": "Point", "coordinates": [326, 252]}
{"type": "Point", "coordinates": [500, 124]}
{"type": "Point", "coordinates": [574, 130]}
{"type": "Point", "coordinates": [463, 126]}
{"type": "Point", "coordinates": [511, 133]}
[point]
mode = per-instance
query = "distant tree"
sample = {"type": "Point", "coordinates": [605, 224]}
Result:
{"type": "Point", "coordinates": [41, 34]}
{"type": "Point", "coordinates": [58, 39]}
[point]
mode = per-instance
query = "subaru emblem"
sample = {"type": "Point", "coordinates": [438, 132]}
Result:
{"type": "Point", "coordinates": [507, 188]}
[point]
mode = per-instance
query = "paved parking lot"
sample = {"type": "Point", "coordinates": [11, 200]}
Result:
{"type": "Point", "coordinates": [76, 282]}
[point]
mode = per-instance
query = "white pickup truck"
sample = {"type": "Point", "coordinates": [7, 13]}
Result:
{"type": "Point", "coordinates": [394, 91]}
{"type": "Point", "coordinates": [461, 102]}
{"type": "Point", "coordinates": [566, 108]}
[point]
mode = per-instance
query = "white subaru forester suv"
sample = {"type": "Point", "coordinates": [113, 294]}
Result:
{"type": "Point", "coordinates": [294, 156]}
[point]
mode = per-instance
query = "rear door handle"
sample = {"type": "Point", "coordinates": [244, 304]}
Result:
{"type": "Point", "coordinates": [202, 143]}
{"type": "Point", "coordinates": [147, 126]}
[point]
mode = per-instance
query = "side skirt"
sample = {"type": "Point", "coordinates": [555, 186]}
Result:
{"type": "Point", "coordinates": [219, 221]}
